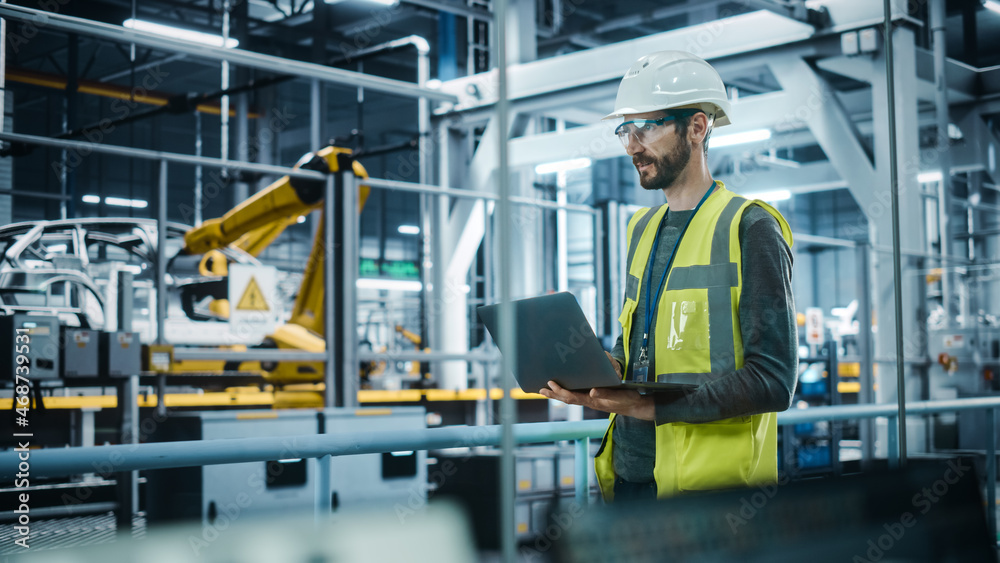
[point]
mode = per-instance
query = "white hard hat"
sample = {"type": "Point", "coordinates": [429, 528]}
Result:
{"type": "Point", "coordinates": [672, 80]}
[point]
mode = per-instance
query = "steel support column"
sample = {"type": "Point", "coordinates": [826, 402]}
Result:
{"type": "Point", "coordinates": [879, 214]}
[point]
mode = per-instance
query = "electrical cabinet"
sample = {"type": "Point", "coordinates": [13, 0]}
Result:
{"type": "Point", "coordinates": [40, 349]}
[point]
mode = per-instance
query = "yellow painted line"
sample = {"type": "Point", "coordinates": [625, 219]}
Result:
{"type": "Point", "coordinates": [244, 396]}
{"type": "Point", "coordinates": [379, 396]}
{"type": "Point", "coordinates": [171, 400]}
{"type": "Point", "coordinates": [89, 402]}
{"type": "Point", "coordinates": [372, 412]}
{"type": "Point", "coordinates": [255, 415]}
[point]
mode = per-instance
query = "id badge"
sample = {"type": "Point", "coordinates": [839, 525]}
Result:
{"type": "Point", "coordinates": [640, 371]}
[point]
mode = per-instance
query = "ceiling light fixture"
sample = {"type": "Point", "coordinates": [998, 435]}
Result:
{"type": "Point", "coordinates": [776, 195]}
{"type": "Point", "coordinates": [740, 138]}
{"type": "Point", "coordinates": [409, 230]}
{"type": "Point", "coordinates": [562, 166]}
{"type": "Point", "coordinates": [180, 33]}
{"type": "Point", "coordinates": [92, 199]}
{"type": "Point", "coordinates": [124, 202]}
{"type": "Point", "coordinates": [992, 5]}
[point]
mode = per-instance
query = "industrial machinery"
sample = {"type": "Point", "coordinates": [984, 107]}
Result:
{"type": "Point", "coordinates": [251, 227]}
{"type": "Point", "coordinates": [69, 269]}
{"type": "Point", "coordinates": [213, 492]}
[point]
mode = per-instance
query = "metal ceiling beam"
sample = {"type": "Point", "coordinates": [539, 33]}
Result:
{"type": "Point", "coordinates": [816, 105]}
{"type": "Point", "coordinates": [962, 80]}
{"type": "Point", "coordinates": [722, 39]}
{"type": "Point", "coordinates": [731, 36]}
{"type": "Point", "coordinates": [40, 18]}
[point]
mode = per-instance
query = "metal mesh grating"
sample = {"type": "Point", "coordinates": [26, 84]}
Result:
{"type": "Point", "coordinates": [62, 533]}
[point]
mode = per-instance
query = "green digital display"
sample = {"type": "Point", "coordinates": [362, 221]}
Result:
{"type": "Point", "coordinates": [394, 269]}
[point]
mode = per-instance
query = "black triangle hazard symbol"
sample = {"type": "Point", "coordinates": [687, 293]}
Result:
{"type": "Point", "coordinates": [253, 298]}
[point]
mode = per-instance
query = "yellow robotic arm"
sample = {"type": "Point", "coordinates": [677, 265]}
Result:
{"type": "Point", "coordinates": [253, 225]}
{"type": "Point", "coordinates": [256, 222]}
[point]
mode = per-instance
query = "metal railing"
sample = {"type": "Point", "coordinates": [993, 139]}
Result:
{"type": "Point", "coordinates": [132, 457]}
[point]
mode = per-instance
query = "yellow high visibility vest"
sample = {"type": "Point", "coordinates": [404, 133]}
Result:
{"type": "Point", "coordinates": [698, 333]}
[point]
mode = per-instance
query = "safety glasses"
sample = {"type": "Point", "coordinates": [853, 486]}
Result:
{"type": "Point", "coordinates": [646, 131]}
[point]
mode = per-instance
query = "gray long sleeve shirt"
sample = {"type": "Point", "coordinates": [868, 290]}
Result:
{"type": "Point", "coordinates": [765, 383]}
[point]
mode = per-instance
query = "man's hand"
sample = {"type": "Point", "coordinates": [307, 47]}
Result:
{"type": "Point", "coordinates": [621, 401]}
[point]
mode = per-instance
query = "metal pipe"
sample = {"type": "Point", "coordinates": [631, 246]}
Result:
{"type": "Point", "coordinates": [271, 169]}
{"type": "Point", "coordinates": [866, 395]}
{"type": "Point", "coordinates": [161, 255]}
{"type": "Point", "coordinates": [198, 181]}
{"type": "Point", "coordinates": [258, 355]}
{"type": "Point", "coordinates": [162, 455]}
{"type": "Point", "coordinates": [896, 258]}
{"type": "Point", "coordinates": [937, 21]}
{"type": "Point", "coordinates": [508, 330]}
{"type": "Point", "coordinates": [581, 480]}
{"type": "Point", "coordinates": [991, 470]}
{"type": "Point", "coordinates": [144, 154]}
{"type": "Point", "coordinates": [127, 457]}
{"type": "Point", "coordinates": [224, 102]}
{"type": "Point", "coordinates": [892, 442]}
{"type": "Point", "coordinates": [347, 307]}
{"type": "Point", "coordinates": [36, 195]}
{"type": "Point", "coordinates": [329, 303]}
{"type": "Point", "coordinates": [239, 57]}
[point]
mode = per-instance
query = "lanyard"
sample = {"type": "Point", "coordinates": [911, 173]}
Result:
{"type": "Point", "coordinates": [663, 278]}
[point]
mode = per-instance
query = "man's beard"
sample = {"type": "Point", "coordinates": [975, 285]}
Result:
{"type": "Point", "coordinates": [667, 168]}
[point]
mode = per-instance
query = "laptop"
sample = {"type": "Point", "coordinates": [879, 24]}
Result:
{"type": "Point", "coordinates": [555, 342]}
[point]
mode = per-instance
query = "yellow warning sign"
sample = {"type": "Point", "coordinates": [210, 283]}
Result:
{"type": "Point", "coordinates": [253, 298]}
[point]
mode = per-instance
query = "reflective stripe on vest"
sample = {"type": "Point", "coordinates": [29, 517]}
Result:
{"type": "Point", "coordinates": [697, 333]}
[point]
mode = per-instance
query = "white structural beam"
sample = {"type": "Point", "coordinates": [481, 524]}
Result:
{"type": "Point", "coordinates": [818, 108]}
{"type": "Point", "coordinates": [724, 37]}
{"type": "Point", "coordinates": [597, 141]}
{"type": "Point", "coordinates": [727, 36]}
{"type": "Point", "coordinates": [961, 79]}
{"type": "Point", "coordinates": [981, 142]}
{"type": "Point", "coordinates": [812, 177]}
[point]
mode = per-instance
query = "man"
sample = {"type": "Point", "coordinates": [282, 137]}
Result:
{"type": "Point", "coordinates": [709, 274]}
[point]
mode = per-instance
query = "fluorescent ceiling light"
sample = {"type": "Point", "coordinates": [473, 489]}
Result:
{"type": "Point", "coordinates": [409, 230]}
{"type": "Point", "coordinates": [992, 5]}
{"type": "Point", "coordinates": [389, 285]}
{"type": "Point", "coordinates": [776, 195]}
{"type": "Point", "coordinates": [928, 177]}
{"type": "Point", "coordinates": [562, 166]}
{"type": "Point", "coordinates": [740, 138]}
{"type": "Point", "coordinates": [92, 199]}
{"type": "Point", "coordinates": [180, 33]}
{"type": "Point", "coordinates": [123, 202]}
